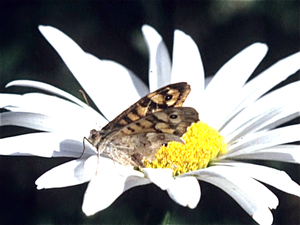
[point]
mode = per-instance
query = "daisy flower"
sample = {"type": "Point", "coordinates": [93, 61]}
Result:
{"type": "Point", "coordinates": [240, 120]}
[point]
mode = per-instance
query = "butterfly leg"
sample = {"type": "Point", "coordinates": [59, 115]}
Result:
{"type": "Point", "coordinates": [84, 138]}
{"type": "Point", "coordinates": [98, 159]}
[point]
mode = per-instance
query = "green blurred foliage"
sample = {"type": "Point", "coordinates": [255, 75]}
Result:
{"type": "Point", "coordinates": [111, 30]}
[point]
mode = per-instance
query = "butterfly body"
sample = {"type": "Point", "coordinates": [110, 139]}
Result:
{"type": "Point", "coordinates": [143, 128]}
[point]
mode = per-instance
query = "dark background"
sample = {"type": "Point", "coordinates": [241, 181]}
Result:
{"type": "Point", "coordinates": [111, 30]}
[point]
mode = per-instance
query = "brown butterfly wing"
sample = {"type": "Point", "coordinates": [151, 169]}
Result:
{"type": "Point", "coordinates": [142, 138]}
{"type": "Point", "coordinates": [169, 96]}
{"type": "Point", "coordinates": [170, 121]}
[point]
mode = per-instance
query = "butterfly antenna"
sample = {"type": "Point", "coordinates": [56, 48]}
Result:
{"type": "Point", "coordinates": [83, 143]}
{"type": "Point", "coordinates": [84, 96]}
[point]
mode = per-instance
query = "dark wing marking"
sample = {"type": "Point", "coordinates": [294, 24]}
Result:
{"type": "Point", "coordinates": [171, 121]}
{"type": "Point", "coordinates": [141, 139]}
{"type": "Point", "coordinates": [172, 95]}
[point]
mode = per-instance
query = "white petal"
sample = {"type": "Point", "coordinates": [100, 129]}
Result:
{"type": "Point", "coordinates": [49, 105]}
{"type": "Point", "coordinates": [238, 69]}
{"type": "Point", "coordinates": [187, 66]}
{"type": "Point", "coordinates": [97, 77]}
{"type": "Point", "coordinates": [30, 120]}
{"type": "Point", "coordinates": [45, 145]}
{"type": "Point", "coordinates": [68, 174]}
{"type": "Point", "coordinates": [159, 59]}
{"type": "Point", "coordinates": [264, 110]}
{"type": "Point", "coordinates": [45, 123]}
{"type": "Point", "coordinates": [228, 82]}
{"type": "Point", "coordinates": [46, 87]}
{"type": "Point", "coordinates": [265, 81]}
{"type": "Point", "coordinates": [133, 181]}
{"type": "Point", "coordinates": [57, 91]}
{"type": "Point", "coordinates": [103, 189]}
{"type": "Point", "coordinates": [290, 112]}
{"type": "Point", "coordinates": [5, 99]}
{"type": "Point", "coordinates": [185, 191]}
{"type": "Point", "coordinates": [253, 197]}
{"type": "Point", "coordinates": [132, 177]}
{"type": "Point", "coordinates": [251, 188]}
{"type": "Point", "coordinates": [273, 177]}
{"type": "Point", "coordinates": [37, 103]}
{"type": "Point", "coordinates": [161, 177]}
{"type": "Point", "coordinates": [283, 153]}
{"type": "Point", "coordinates": [265, 122]}
{"type": "Point", "coordinates": [264, 139]}
{"type": "Point", "coordinates": [263, 216]}
{"type": "Point", "coordinates": [117, 85]}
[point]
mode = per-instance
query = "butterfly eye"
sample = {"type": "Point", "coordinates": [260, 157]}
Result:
{"type": "Point", "coordinates": [173, 116]}
{"type": "Point", "coordinates": [168, 97]}
{"type": "Point", "coordinates": [93, 134]}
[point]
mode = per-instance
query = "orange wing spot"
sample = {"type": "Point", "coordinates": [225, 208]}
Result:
{"type": "Point", "coordinates": [152, 94]}
{"type": "Point", "coordinates": [164, 128]}
{"type": "Point", "coordinates": [141, 111]}
{"type": "Point", "coordinates": [128, 130]}
{"type": "Point", "coordinates": [123, 122]}
{"type": "Point", "coordinates": [145, 124]}
{"type": "Point", "coordinates": [134, 128]}
{"type": "Point", "coordinates": [133, 116]}
{"type": "Point", "coordinates": [158, 99]}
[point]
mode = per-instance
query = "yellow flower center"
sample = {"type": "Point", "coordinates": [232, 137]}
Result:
{"type": "Point", "coordinates": [202, 144]}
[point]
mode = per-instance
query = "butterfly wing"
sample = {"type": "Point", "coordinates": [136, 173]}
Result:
{"type": "Point", "coordinates": [169, 96]}
{"type": "Point", "coordinates": [142, 138]}
{"type": "Point", "coordinates": [170, 121]}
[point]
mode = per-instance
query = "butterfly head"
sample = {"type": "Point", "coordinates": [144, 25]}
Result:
{"type": "Point", "coordinates": [95, 138]}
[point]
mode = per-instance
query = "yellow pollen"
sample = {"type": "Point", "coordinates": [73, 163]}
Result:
{"type": "Point", "coordinates": [202, 144]}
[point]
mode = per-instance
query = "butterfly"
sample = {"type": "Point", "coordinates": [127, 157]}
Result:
{"type": "Point", "coordinates": [138, 132]}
